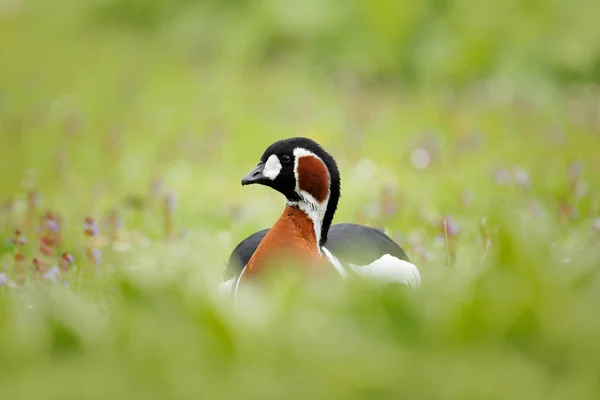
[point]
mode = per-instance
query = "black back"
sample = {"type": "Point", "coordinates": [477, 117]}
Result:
{"type": "Point", "coordinates": [350, 243]}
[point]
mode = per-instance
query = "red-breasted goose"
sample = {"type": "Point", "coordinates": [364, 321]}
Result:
{"type": "Point", "coordinates": [308, 177]}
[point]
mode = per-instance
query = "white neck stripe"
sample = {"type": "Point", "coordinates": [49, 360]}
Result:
{"type": "Point", "coordinates": [314, 209]}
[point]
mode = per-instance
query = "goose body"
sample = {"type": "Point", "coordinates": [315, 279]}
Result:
{"type": "Point", "coordinates": [308, 177]}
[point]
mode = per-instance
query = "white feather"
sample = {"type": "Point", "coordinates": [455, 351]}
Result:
{"type": "Point", "coordinates": [389, 269]}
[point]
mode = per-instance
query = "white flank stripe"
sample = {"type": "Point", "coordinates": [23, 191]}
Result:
{"type": "Point", "coordinates": [226, 286]}
{"type": "Point", "coordinates": [335, 262]}
{"type": "Point", "coordinates": [388, 269]}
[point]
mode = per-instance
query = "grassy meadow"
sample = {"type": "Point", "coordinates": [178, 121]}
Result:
{"type": "Point", "coordinates": [471, 136]}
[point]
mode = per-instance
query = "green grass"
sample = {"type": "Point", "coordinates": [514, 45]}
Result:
{"type": "Point", "coordinates": [106, 125]}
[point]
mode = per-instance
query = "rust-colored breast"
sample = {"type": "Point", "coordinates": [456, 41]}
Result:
{"type": "Point", "coordinates": [293, 236]}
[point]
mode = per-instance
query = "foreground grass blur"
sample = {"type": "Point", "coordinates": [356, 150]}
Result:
{"type": "Point", "coordinates": [121, 163]}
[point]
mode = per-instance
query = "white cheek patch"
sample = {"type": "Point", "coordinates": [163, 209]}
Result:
{"type": "Point", "coordinates": [272, 167]}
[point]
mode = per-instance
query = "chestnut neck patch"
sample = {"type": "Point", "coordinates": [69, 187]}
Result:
{"type": "Point", "coordinates": [313, 177]}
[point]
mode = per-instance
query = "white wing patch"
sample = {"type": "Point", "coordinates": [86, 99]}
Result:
{"type": "Point", "coordinates": [272, 167]}
{"type": "Point", "coordinates": [388, 269]}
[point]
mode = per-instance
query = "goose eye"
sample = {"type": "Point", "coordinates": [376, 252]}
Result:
{"type": "Point", "coordinates": [286, 158]}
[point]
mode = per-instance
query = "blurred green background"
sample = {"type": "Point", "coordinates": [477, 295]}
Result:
{"type": "Point", "coordinates": [143, 115]}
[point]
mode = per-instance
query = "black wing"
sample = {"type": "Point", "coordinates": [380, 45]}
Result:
{"type": "Point", "coordinates": [360, 244]}
{"type": "Point", "coordinates": [350, 243]}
